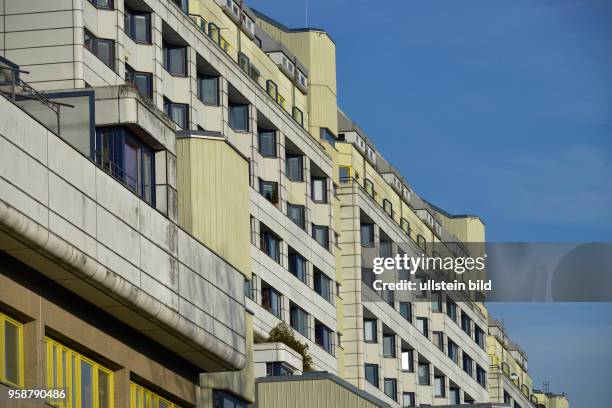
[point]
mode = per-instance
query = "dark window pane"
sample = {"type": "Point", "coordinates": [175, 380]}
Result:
{"type": "Point", "coordinates": [208, 90]}
{"type": "Point", "coordinates": [86, 385]}
{"type": "Point", "coordinates": [239, 117]}
{"type": "Point", "coordinates": [267, 143]}
{"type": "Point", "coordinates": [294, 168]}
{"type": "Point", "coordinates": [11, 352]}
{"type": "Point", "coordinates": [296, 214]}
{"type": "Point", "coordinates": [322, 285]}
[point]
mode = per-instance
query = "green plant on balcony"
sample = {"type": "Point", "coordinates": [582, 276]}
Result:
{"type": "Point", "coordinates": [282, 333]}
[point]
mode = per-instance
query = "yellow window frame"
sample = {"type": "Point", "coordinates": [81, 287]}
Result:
{"type": "Point", "coordinates": [20, 365]}
{"type": "Point", "coordinates": [65, 380]}
{"type": "Point", "coordinates": [138, 393]}
{"type": "Point", "coordinates": [280, 100]}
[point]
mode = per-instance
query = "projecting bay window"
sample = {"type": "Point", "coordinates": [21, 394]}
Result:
{"type": "Point", "coordinates": [208, 90]}
{"type": "Point", "coordinates": [239, 117]}
{"type": "Point", "coordinates": [271, 301]}
{"type": "Point", "coordinates": [389, 345]}
{"type": "Point", "coordinates": [319, 189]}
{"type": "Point", "coordinates": [11, 351]}
{"type": "Point", "coordinates": [269, 190]}
{"type": "Point", "coordinates": [324, 337]}
{"type": "Point", "coordinates": [439, 387]}
{"type": "Point", "coordinates": [424, 374]}
{"type": "Point", "coordinates": [408, 360]}
{"type": "Point", "coordinates": [137, 25]}
{"type": "Point", "coordinates": [320, 233]}
{"type": "Point", "coordinates": [142, 397]}
{"type": "Point", "coordinates": [121, 154]}
{"type": "Point", "coordinates": [102, 48]}
{"type": "Point", "coordinates": [296, 214]}
{"type": "Point", "coordinates": [142, 81]}
{"type": "Point", "coordinates": [390, 388]}
{"type": "Point", "coordinates": [299, 320]}
{"type": "Point", "coordinates": [267, 143]}
{"type": "Point", "coordinates": [175, 59]}
{"type": "Point", "coordinates": [371, 374]}
{"type": "Point", "coordinates": [322, 285]}
{"type": "Point", "coordinates": [177, 112]}
{"type": "Point", "coordinates": [87, 383]}
{"type": "Point", "coordinates": [297, 266]}
{"type": "Point", "coordinates": [294, 167]}
{"type": "Point", "coordinates": [270, 245]}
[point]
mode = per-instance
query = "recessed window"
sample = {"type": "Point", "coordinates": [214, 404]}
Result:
{"type": "Point", "coordinates": [424, 374]}
{"type": "Point", "coordinates": [405, 309]}
{"type": "Point", "coordinates": [370, 330]}
{"type": "Point", "coordinates": [438, 339]}
{"type": "Point", "coordinates": [388, 207]}
{"type": "Point", "coordinates": [244, 62]}
{"type": "Point", "coordinates": [270, 245]}
{"type": "Point", "coordinates": [405, 226]}
{"type": "Point", "coordinates": [439, 387]}
{"type": "Point", "coordinates": [467, 364]}
{"type": "Point", "coordinates": [142, 81]}
{"type": "Point", "coordinates": [296, 214]}
{"type": "Point", "coordinates": [323, 337]}
{"type": "Point", "coordinates": [208, 90]}
{"type": "Point", "coordinates": [271, 301]}
{"type": "Point", "coordinates": [451, 310]}
{"type": "Point", "coordinates": [480, 337]}
{"type": "Point", "coordinates": [11, 352]}
{"type": "Point", "coordinates": [294, 167]}
{"type": "Point", "coordinates": [319, 189]}
{"type": "Point", "coordinates": [368, 187]}
{"type": "Point", "coordinates": [137, 25]}
{"type": "Point", "coordinates": [421, 242]}
{"type": "Point", "coordinates": [102, 48]}
{"type": "Point", "coordinates": [408, 399]}
{"type": "Point", "coordinates": [267, 143]}
{"type": "Point", "coordinates": [328, 136]}
{"type": "Point", "coordinates": [422, 326]}
{"type": "Point", "coordinates": [455, 396]}
{"type": "Point", "coordinates": [271, 89]}
{"type": "Point", "coordinates": [320, 233]}
{"type": "Point", "coordinates": [299, 320]}
{"type": "Point", "coordinates": [436, 302]}
{"type": "Point", "coordinates": [453, 351]}
{"type": "Point", "coordinates": [390, 388]}
{"type": "Point", "coordinates": [466, 324]}
{"type": "Point", "coordinates": [371, 374]}
{"type": "Point", "coordinates": [102, 4]}
{"type": "Point", "coordinates": [121, 154]}
{"type": "Point", "coordinates": [389, 345]}
{"type": "Point", "coordinates": [322, 285]}
{"type": "Point", "coordinates": [175, 59]}
{"type": "Point", "coordinates": [367, 234]}
{"type": "Point", "coordinates": [481, 376]}
{"type": "Point", "coordinates": [239, 117]}
{"type": "Point", "coordinates": [298, 116]}
{"type": "Point", "coordinates": [297, 266]}
{"type": "Point", "coordinates": [408, 360]}
{"type": "Point", "coordinates": [178, 112]}
{"type": "Point", "coordinates": [386, 250]}
{"type": "Point", "coordinates": [224, 399]}
{"type": "Point", "coordinates": [269, 190]}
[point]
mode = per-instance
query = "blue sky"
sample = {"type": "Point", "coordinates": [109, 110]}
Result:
{"type": "Point", "coordinates": [501, 109]}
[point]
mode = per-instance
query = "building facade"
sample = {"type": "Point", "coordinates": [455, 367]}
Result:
{"type": "Point", "coordinates": [178, 181]}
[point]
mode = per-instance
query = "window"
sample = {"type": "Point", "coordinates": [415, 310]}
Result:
{"type": "Point", "coordinates": [302, 79]}
{"type": "Point", "coordinates": [254, 73]}
{"type": "Point", "coordinates": [208, 90]}
{"type": "Point", "coordinates": [323, 336]}
{"type": "Point", "coordinates": [367, 234]}
{"type": "Point", "coordinates": [175, 59]}
{"type": "Point", "coordinates": [267, 143]}
{"type": "Point", "coordinates": [344, 174]}
{"type": "Point", "coordinates": [438, 340]}
{"type": "Point", "coordinates": [223, 399]}
{"type": "Point", "coordinates": [421, 242]}
{"type": "Point", "coordinates": [101, 48]}
{"type": "Point", "coordinates": [479, 337]}
{"type": "Point", "coordinates": [385, 249]}
{"type": "Point", "coordinates": [271, 89]}
{"type": "Point", "coordinates": [183, 5]}
{"type": "Point", "coordinates": [455, 396]}
{"type": "Point", "coordinates": [137, 25]}
{"type": "Point", "coordinates": [296, 214]}
{"type": "Point", "coordinates": [11, 351]}
{"type": "Point", "coordinates": [371, 374]}
{"type": "Point", "coordinates": [269, 190]}
{"type": "Point", "coordinates": [370, 333]}
{"type": "Point", "coordinates": [481, 376]}
{"type": "Point", "coordinates": [142, 397]}
{"type": "Point", "coordinates": [424, 373]}
{"type": "Point", "coordinates": [507, 398]}
{"type": "Point", "coordinates": [214, 33]}
{"type": "Point", "coordinates": [328, 136]}
{"type": "Point", "coordinates": [436, 302]}
{"type": "Point", "coordinates": [466, 324]}
{"type": "Point", "coordinates": [408, 360]}
{"type": "Point", "coordinates": [453, 351]}
{"type": "Point", "coordinates": [322, 285]}
{"type": "Point", "coordinates": [178, 112]}
{"type": "Point", "coordinates": [408, 399]}
{"type": "Point", "coordinates": [389, 345]}
{"type": "Point", "coordinates": [104, 4]}
{"type": "Point", "coordinates": [368, 187]}
{"type": "Point", "coordinates": [277, 369]}
{"type": "Point", "coordinates": [121, 154]}
{"type": "Point", "coordinates": [270, 244]}
{"type": "Point", "coordinates": [249, 290]}
{"type": "Point", "coordinates": [280, 100]}
{"type": "Point", "coordinates": [248, 23]}
{"type": "Point", "coordinates": [87, 383]}
{"type": "Point", "coordinates": [405, 226]}
{"type": "Point", "coordinates": [299, 320]}
{"type": "Point", "coordinates": [388, 207]}
{"type": "Point", "coordinates": [390, 388]}
{"type": "Point", "coordinates": [243, 62]}
{"type": "Point", "coordinates": [294, 167]}
{"type": "Point", "coordinates": [439, 387]}
{"type": "Point", "coordinates": [319, 189]}
{"type": "Point", "coordinates": [422, 326]}
{"type": "Point", "coordinates": [239, 117]}
{"type": "Point", "coordinates": [271, 301]}
{"type": "Point", "coordinates": [467, 364]}
{"type": "Point", "coordinates": [140, 80]}
{"type": "Point", "coordinates": [321, 235]}
{"type": "Point", "coordinates": [298, 116]}
{"type": "Point", "coordinates": [451, 310]}
{"type": "Point", "coordinates": [297, 266]}
{"type": "Point", "coordinates": [405, 309]}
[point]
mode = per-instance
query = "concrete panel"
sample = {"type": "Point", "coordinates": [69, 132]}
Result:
{"type": "Point", "coordinates": [39, 21]}
{"type": "Point", "coordinates": [28, 39]}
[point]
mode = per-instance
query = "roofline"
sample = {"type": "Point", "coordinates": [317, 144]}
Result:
{"type": "Point", "coordinates": [449, 215]}
{"type": "Point", "coordinates": [283, 27]}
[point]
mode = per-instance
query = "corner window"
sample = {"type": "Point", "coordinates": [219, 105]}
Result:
{"type": "Point", "coordinates": [296, 214]}
{"type": "Point", "coordinates": [142, 81]}
{"type": "Point", "coordinates": [271, 301]}
{"type": "Point", "coordinates": [371, 374]}
{"type": "Point", "coordinates": [294, 167]}
{"type": "Point", "coordinates": [208, 90]}
{"type": "Point", "coordinates": [297, 266]}
{"type": "Point", "coordinates": [267, 143]}
{"type": "Point", "coordinates": [389, 345]}
{"type": "Point", "coordinates": [239, 117]}
{"type": "Point", "coordinates": [370, 331]}
{"type": "Point", "coordinates": [424, 374]}
{"type": "Point", "coordinates": [177, 112]}
{"type": "Point", "coordinates": [390, 388]}
{"type": "Point", "coordinates": [299, 320]}
{"type": "Point", "coordinates": [323, 337]}
{"type": "Point", "coordinates": [11, 352]}
{"type": "Point", "coordinates": [322, 285]}
{"type": "Point", "coordinates": [298, 116]}
{"type": "Point", "coordinates": [269, 190]}
{"type": "Point", "coordinates": [175, 59]}
{"type": "Point", "coordinates": [137, 25]}
{"type": "Point", "coordinates": [121, 154]}
{"type": "Point", "coordinates": [101, 48]}
{"type": "Point", "coordinates": [320, 233]}
{"type": "Point", "coordinates": [319, 189]}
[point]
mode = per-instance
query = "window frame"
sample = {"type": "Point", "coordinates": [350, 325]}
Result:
{"type": "Point", "coordinates": [410, 363]}
{"type": "Point", "coordinates": [325, 230]}
{"type": "Point", "coordinates": [129, 15]}
{"type": "Point", "coordinates": [265, 249]}
{"type": "Point", "coordinates": [110, 6]}
{"type": "Point", "coordinates": [373, 330]}
{"type": "Point", "coordinates": [295, 256]}
{"type": "Point", "coordinates": [412, 398]}
{"type": "Point", "coordinates": [4, 320]}
{"type": "Point", "coordinates": [267, 133]}
{"type": "Point", "coordinates": [302, 210]}
{"type": "Point", "coordinates": [265, 183]}
{"type": "Point", "coordinates": [328, 333]}
{"type": "Point", "coordinates": [289, 158]}
{"type": "Point", "coordinates": [201, 79]}
{"type": "Point", "coordinates": [442, 393]}
{"type": "Point", "coordinates": [275, 300]}
{"type": "Point", "coordinates": [138, 391]}
{"type": "Point", "coordinates": [298, 310]}
{"type": "Point", "coordinates": [393, 352]}
{"type": "Point", "coordinates": [246, 117]}
{"type": "Point", "coordinates": [425, 331]}
{"type": "Point", "coordinates": [376, 378]}
{"type": "Point", "coordinates": [314, 181]}
{"type": "Point", "coordinates": [131, 72]}
{"type": "Point", "coordinates": [393, 384]}
{"type": "Point", "coordinates": [300, 115]}
{"type": "Point", "coordinates": [167, 48]}
{"type": "Point", "coordinates": [94, 47]}
{"type": "Point", "coordinates": [169, 109]}
{"type": "Point", "coordinates": [318, 287]}
{"type": "Point", "coordinates": [409, 317]}
{"type": "Point", "coordinates": [419, 377]}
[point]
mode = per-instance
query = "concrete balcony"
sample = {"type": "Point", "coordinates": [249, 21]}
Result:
{"type": "Point", "coordinates": [80, 227]}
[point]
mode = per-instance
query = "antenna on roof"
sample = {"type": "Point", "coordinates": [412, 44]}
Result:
{"type": "Point", "coordinates": [306, 6]}
{"type": "Point", "coordinates": [546, 386]}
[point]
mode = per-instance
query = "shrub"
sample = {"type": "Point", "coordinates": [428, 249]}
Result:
{"type": "Point", "coordinates": [282, 333]}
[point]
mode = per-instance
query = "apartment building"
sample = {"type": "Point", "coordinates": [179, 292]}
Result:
{"type": "Point", "coordinates": [193, 186]}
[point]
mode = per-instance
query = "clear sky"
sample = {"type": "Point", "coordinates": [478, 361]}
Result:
{"type": "Point", "coordinates": [501, 109]}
